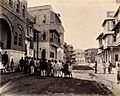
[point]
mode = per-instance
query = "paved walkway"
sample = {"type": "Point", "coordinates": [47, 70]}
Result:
{"type": "Point", "coordinates": [109, 80]}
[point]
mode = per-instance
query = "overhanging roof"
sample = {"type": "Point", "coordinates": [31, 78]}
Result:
{"type": "Point", "coordinates": [99, 36]}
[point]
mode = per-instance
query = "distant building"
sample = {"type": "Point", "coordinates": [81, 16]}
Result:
{"type": "Point", "coordinates": [51, 36]}
{"type": "Point", "coordinates": [117, 1]}
{"type": "Point", "coordinates": [90, 55]}
{"type": "Point", "coordinates": [79, 56]}
{"type": "Point", "coordinates": [68, 51]}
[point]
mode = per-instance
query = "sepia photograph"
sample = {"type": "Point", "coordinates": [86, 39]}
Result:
{"type": "Point", "coordinates": [59, 47]}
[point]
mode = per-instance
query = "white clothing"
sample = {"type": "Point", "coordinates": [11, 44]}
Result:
{"type": "Point", "coordinates": [60, 65]}
{"type": "Point", "coordinates": [32, 69]}
{"type": "Point", "coordinates": [56, 66]}
{"type": "Point", "coordinates": [104, 65]}
{"type": "Point", "coordinates": [70, 68]}
{"type": "Point", "coordinates": [53, 64]}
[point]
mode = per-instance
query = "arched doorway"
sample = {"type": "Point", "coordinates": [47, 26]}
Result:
{"type": "Point", "coordinates": [5, 33]}
{"type": "Point", "coordinates": [43, 55]}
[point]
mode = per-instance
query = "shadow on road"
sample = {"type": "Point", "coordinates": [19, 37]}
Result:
{"type": "Point", "coordinates": [50, 85]}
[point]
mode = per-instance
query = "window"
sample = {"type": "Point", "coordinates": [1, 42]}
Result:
{"type": "Point", "coordinates": [31, 44]}
{"type": "Point", "coordinates": [25, 49]}
{"type": "Point", "coordinates": [114, 38]}
{"type": "Point", "coordinates": [20, 40]}
{"type": "Point", "coordinates": [15, 38]}
{"type": "Point", "coordinates": [35, 36]}
{"type": "Point", "coordinates": [113, 23]}
{"type": "Point", "coordinates": [116, 57]}
{"type": "Point", "coordinates": [18, 6]}
{"type": "Point", "coordinates": [23, 11]}
{"type": "Point", "coordinates": [44, 36]}
{"type": "Point", "coordinates": [51, 54]}
{"type": "Point", "coordinates": [44, 19]}
{"type": "Point", "coordinates": [52, 37]}
{"type": "Point", "coordinates": [10, 3]}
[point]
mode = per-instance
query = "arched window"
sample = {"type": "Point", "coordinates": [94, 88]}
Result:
{"type": "Point", "coordinates": [43, 54]}
{"type": "Point", "coordinates": [10, 3]}
{"type": "Point", "coordinates": [23, 11]}
{"type": "Point", "coordinates": [20, 40]}
{"type": "Point", "coordinates": [44, 36]}
{"type": "Point", "coordinates": [15, 38]}
{"type": "Point", "coordinates": [18, 6]}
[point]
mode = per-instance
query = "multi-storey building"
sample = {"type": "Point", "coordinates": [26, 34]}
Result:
{"type": "Point", "coordinates": [108, 50]}
{"type": "Point", "coordinates": [117, 32]}
{"type": "Point", "coordinates": [79, 56]}
{"type": "Point", "coordinates": [50, 42]}
{"type": "Point", "coordinates": [90, 55]}
{"type": "Point", "coordinates": [15, 29]}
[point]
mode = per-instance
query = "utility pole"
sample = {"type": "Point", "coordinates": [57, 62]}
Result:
{"type": "Point", "coordinates": [38, 44]}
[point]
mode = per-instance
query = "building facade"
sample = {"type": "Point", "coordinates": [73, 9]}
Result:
{"type": "Point", "coordinates": [108, 51]}
{"type": "Point", "coordinates": [79, 56]}
{"type": "Point", "coordinates": [90, 55]}
{"type": "Point", "coordinates": [116, 29]}
{"type": "Point", "coordinates": [16, 29]}
{"type": "Point", "coordinates": [51, 36]}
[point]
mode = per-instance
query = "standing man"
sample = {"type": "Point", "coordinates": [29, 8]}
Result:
{"type": "Point", "coordinates": [5, 59]}
{"type": "Point", "coordinates": [32, 64]}
{"type": "Point", "coordinates": [95, 66]}
{"type": "Point", "coordinates": [109, 67]}
{"type": "Point", "coordinates": [52, 67]}
{"type": "Point", "coordinates": [59, 68]}
{"type": "Point", "coordinates": [118, 73]}
{"type": "Point", "coordinates": [21, 62]}
{"type": "Point", "coordinates": [12, 65]}
{"type": "Point", "coordinates": [70, 68]}
{"type": "Point", "coordinates": [49, 68]}
{"type": "Point", "coordinates": [66, 68]}
{"type": "Point", "coordinates": [104, 67]}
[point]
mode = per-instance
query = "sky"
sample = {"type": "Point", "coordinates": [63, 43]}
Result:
{"type": "Point", "coordinates": [82, 19]}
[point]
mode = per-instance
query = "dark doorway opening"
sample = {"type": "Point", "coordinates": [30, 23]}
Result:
{"type": "Point", "coordinates": [43, 54]}
{"type": "Point", "coordinates": [5, 33]}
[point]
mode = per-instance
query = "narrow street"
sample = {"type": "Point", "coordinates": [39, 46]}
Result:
{"type": "Point", "coordinates": [83, 83]}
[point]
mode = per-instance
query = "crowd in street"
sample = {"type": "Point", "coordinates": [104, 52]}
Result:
{"type": "Point", "coordinates": [41, 67]}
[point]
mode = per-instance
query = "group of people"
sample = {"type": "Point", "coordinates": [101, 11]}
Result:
{"type": "Point", "coordinates": [35, 66]}
{"type": "Point", "coordinates": [105, 66]}
{"type": "Point", "coordinates": [43, 67]}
